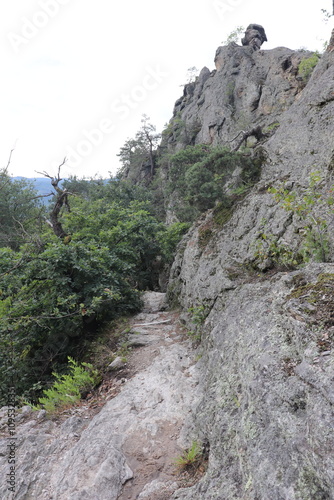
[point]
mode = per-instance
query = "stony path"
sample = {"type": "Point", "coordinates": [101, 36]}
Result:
{"type": "Point", "coordinates": [161, 362]}
{"type": "Point", "coordinates": [126, 451]}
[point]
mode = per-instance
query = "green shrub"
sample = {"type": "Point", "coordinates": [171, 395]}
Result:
{"type": "Point", "coordinates": [190, 457]}
{"type": "Point", "coordinates": [307, 65]}
{"type": "Point", "coordinates": [169, 239]}
{"type": "Point", "coordinates": [67, 389]}
{"type": "Point", "coordinates": [269, 252]}
{"type": "Point", "coordinates": [198, 176]}
{"type": "Point", "coordinates": [54, 297]}
{"type": "Point", "coordinates": [198, 316]}
{"type": "Point", "coordinates": [314, 207]}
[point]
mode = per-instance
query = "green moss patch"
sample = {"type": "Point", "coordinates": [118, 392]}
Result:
{"type": "Point", "coordinates": [222, 214]}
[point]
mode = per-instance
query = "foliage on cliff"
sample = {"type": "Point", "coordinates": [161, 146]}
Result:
{"type": "Point", "coordinates": [200, 176]}
{"type": "Point", "coordinates": [190, 180]}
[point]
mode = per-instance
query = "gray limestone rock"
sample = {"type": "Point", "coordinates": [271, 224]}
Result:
{"type": "Point", "coordinates": [156, 489]}
{"type": "Point", "coordinates": [154, 302]}
{"type": "Point", "coordinates": [117, 364]}
{"type": "Point", "coordinates": [267, 404]}
{"type": "Point", "coordinates": [248, 89]}
{"type": "Point", "coordinates": [267, 394]}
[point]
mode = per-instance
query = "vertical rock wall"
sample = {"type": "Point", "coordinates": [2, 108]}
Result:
{"type": "Point", "coordinates": [267, 350]}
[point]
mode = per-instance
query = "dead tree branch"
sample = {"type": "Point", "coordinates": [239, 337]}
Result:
{"type": "Point", "coordinates": [9, 159]}
{"type": "Point", "coordinates": [256, 132]}
{"type": "Point", "coordinates": [60, 202]}
{"type": "Point", "coordinates": [5, 171]}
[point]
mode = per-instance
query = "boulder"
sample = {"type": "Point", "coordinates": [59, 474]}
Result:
{"type": "Point", "coordinates": [254, 36]}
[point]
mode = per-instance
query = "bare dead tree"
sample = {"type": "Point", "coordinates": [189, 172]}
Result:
{"type": "Point", "coordinates": [9, 159]}
{"type": "Point", "coordinates": [4, 171]}
{"type": "Point", "coordinates": [256, 132]}
{"type": "Point", "coordinates": [60, 202]}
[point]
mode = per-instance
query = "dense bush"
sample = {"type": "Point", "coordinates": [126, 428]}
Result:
{"type": "Point", "coordinates": [55, 295]}
{"type": "Point", "coordinates": [169, 239]}
{"type": "Point", "coordinates": [51, 301]}
{"type": "Point", "coordinates": [20, 211]}
{"type": "Point", "coordinates": [198, 176]}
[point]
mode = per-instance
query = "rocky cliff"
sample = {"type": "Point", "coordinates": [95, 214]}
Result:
{"type": "Point", "coordinates": [258, 392]}
{"type": "Point", "coordinates": [267, 388]}
{"type": "Point", "coordinates": [247, 88]}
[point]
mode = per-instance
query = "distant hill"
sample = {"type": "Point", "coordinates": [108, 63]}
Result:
{"type": "Point", "coordinates": [41, 184]}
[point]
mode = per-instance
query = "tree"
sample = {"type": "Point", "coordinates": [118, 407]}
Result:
{"type": "Point", "coordinates": [20, 210]}
{"type": "Point", "coordinates": [86, 188]}
{"type": "Point", "coordinates": [150, 139]}
{"type": "Point", "coordinates": [60, 201]}
{"type": "Point", "coordinates": [192, 74]}
{"type": "Point", "coordinates": [132, 155]}
{"type": "Point", "coordinates": [138, 155]}
{"type": "Point", "coordinates": [234, 35]}
{"type": "Point", "coordinates": [55, 296]}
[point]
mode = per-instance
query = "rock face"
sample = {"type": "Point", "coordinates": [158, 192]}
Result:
{"type": "Point", "coordinates": [249, 92]}
{"type": "Point", "coordinates": [268, 366]}
{"type": "Point", "coordinates": [248, 89]}
{"type": "Point", "coordinates": [301, 145]}
{"type": "Point", "coordinates": [267, 396]}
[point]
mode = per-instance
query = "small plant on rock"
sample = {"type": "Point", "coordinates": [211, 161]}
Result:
{"type": "Point", "coordinates": [190, 458]}
{"type": "Point", "coordinates": [314, 206]}
{"type": "Point", "coordinates": [198, 316]}
{"type": "Point", "coordinates": [307, 65]}
{"type": "Point", "coordinates": [270, 252]}
{"type": "Point", "coordinates": [234, 36]}
{"type": "Point", "coordinates": [67, 389]}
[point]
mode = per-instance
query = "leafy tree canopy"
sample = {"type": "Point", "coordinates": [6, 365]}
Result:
{"type": "Point", "coordinates": [56, 293]}
{"type": "Point", "coordinates": [20, 211]}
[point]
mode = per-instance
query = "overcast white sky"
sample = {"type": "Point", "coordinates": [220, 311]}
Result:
{"type": "Point", "coordinates": [77, 75]}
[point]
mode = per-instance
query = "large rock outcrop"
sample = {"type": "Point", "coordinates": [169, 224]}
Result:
{"type": "Point", "coordinates": [301, 145]}
{"type": "Point", "coordinates": [268, 366]}
{"type": "Point", "coordinates": [248, 88]}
